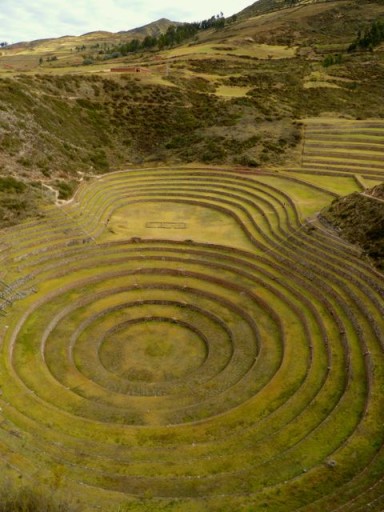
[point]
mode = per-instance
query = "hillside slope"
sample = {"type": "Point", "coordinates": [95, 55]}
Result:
{"type": "Point", "coordinates": [360, 219]}
{"type": "Point", "coordinates": [234, 96]}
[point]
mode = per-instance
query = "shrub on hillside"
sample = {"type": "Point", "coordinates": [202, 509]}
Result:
{"type": "Point", "coordinates": [331, 60]}
{"type": "Point", "coordinates": [66, 188]}
{"type": "Point", "coordinates": [10, 184]}
{"type": "Point", "coordinates": [370, 38]}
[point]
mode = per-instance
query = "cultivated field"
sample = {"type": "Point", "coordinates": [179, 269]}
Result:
{"type": "Point", "coordinates": [190, 335]}
{"type": "Point", "coordinates": [191, 340]}
{"type": "Point", "coordinates": [344, 148]}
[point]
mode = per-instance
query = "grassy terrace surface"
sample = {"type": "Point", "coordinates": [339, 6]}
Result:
{"type": "Point", "coordinates": [185, 340]}
{"type": "Point", "coordinates": [343, 147]}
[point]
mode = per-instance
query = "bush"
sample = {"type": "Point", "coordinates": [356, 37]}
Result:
{"type": "Point", "coordinates": [65, 188]}
{"type": "Point", "coordinates": [247, 161]}
{"type": "Point", "coordinates": [213, 152]}
{"type": "Point", "coordinates": [331, 60]}
{"type": "Point", "coordinates": [370, 38]}
{"type": "Point", "coordinates": [10, 184]}
{"type": "Point", "coordinates": [99, 160]}
{"type": "Point", "coordinates": [30, 500]}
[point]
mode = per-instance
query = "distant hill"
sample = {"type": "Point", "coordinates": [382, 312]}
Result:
{"type": "Point", "coordinates": [309, 22]}
{"type": "Point", "coordinates": [153, 29]}
{"type": "Point", "coordinates": [260, 7]}
{"type": "Point", "coordinates": [264, 6]}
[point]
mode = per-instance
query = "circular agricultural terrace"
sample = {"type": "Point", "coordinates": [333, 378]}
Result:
{"type": "Point", "coordinates": [181, 339]}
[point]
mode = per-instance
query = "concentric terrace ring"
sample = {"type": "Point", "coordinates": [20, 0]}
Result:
{"type": "Point", "coordinates": [246, 369]}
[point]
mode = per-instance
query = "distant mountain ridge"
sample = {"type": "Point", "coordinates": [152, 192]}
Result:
{"type": "Point", "coordinates": [154, 28]}
{"type": "Point", "coordinates": [151, 29]}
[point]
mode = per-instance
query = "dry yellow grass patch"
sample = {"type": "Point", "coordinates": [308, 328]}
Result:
{"type": "Point", "coordinates": [371, 183]}
{"type": "Point", "coordinates": [231, 92]}
{"type": "Point", "coordinates": [245, 48]}
{"type": "Point", "coordinates": [319, 79]}
{"type": "Point", "coordinates": [265, 51]}
{"type": "Point", "coordinates": [316, 85]}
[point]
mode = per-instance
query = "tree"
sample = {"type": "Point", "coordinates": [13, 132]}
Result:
{"type": "Point", "coordinates": [331, 60]}
{"type": "Point", "coordinates": [149, 42]}
{"type": "Point", "coordinates": [371, 37]}
{"type": "Point", "coordinates": [173, 35]}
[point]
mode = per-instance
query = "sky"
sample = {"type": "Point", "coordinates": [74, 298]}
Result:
{"type": "Point", "coordinates": [27, 20]}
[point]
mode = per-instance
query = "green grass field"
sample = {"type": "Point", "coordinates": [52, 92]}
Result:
{"type": "Point", "coordinates": [187, 333]}
{"type": "Point", "coordinates": [343, 147]}
{"type": "Point", "coordinates": [184, 339]}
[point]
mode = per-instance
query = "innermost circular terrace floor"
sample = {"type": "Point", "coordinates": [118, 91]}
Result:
{"type": "Point", "coordinates": [175, 221]}
{"type": "Point", "coordinates": [153, 351]}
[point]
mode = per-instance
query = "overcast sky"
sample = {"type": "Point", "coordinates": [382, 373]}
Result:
{"type": "Point", "coordinates": [27, 20]}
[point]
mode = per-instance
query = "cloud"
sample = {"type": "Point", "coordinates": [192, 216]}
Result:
{"type": "Point", "coordinates": [25, 20]}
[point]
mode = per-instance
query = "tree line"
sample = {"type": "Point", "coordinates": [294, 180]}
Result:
{"type": "Point", "coordinates": [174, 35]}
{"type": "Point", "coordinates": [371, 37]}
